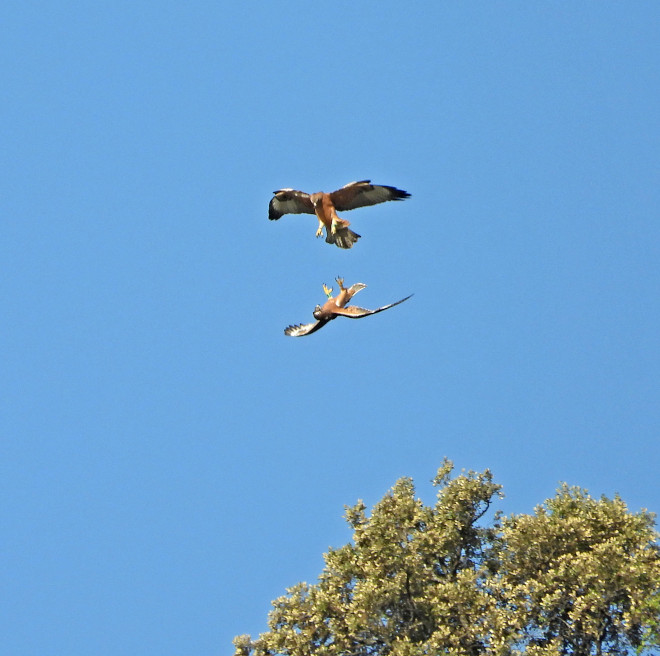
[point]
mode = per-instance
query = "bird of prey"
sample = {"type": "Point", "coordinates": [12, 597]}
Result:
{"type": "Point", "coordinates": [326, 206]}
{"type": "Point", "coordinates": [336, 307]}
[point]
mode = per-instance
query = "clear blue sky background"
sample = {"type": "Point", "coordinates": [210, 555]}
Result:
{"type": "Point", "coordinates": [170, 461]}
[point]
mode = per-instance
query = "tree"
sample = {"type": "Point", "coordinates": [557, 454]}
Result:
{"type": "Point", "coordinates": [583, 574]}
{"type": "Point", "coordinates": [579, 576]}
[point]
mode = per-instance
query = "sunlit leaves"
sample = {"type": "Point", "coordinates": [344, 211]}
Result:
{"type": "Point", "coordinates": [581, 572]}
{"type": "Point", "coordinates": [580, 576]}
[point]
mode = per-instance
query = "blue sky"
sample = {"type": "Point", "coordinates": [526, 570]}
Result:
{"type": "Point", "coordinates": [170, 461]}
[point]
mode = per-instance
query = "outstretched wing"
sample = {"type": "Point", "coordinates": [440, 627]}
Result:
{"type": "Point", "coordinates": [355, 312]}
{"type": "Point", "coordinates": [360, 194]}
{"type": "Point", "coordinates": [302, 329]}
{"type": "Point", "coordinates": [289, 201]}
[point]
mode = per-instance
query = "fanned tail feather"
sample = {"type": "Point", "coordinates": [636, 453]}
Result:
{"type": "Point", "coordinates": [343, 237]}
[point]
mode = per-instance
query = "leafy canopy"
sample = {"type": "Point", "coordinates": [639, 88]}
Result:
{"type": "Point", "coordinates": [580, 576]}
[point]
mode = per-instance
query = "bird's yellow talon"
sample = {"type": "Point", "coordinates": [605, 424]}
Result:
{"type": "Point", "coordinates": [327, 290]}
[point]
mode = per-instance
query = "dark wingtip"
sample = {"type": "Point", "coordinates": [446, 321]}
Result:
{"type": "Point", "coordinates": [402, 300]}
{"type": "Point", "coordinates": [398, 194]}
{"type": "Point", "coordinates": [273, 214]}
{"type": "Point", "coordinates": [289, 330]}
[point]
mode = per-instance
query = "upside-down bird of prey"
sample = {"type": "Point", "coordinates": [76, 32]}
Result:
{"type": "Point", "coordinates": [326, 206]}
{"type": "Point", "coordinates": [335, 307]}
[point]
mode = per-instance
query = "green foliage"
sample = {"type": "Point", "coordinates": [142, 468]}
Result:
{"type": "Point", "coordinates": [579, 576]}
{"type": "Point", "coordinates": [582, 573]}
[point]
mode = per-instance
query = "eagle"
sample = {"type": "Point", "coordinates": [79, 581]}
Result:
{"type": "Point", "coordinates": [326, 206]}
{"type": "Point", "coordinates": [336, 307]}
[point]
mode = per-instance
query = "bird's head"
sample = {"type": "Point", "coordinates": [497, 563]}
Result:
{"type": "Point", "coordinates": [317, 312]}
{"type": "Point", "coordinates": [315, 198]}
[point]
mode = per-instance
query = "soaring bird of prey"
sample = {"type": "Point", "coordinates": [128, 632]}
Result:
{"type": "Point", "coordinates": [336, 307]}
{"type": "Point", "coordinates": [326, 206]}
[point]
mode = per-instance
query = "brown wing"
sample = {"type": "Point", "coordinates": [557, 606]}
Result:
{"type": "Point", "coordinates": [355, 312]}
{"type": "Point", "coordinates": [302, 329]}
{"type": "Point", "coordinates": [360, 194]}
{"type": "Point", "coordinates": [289, 201]}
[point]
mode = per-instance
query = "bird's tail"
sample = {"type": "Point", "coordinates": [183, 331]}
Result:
{"type": "Point", "coordinates": [343, 237]}
{"type": "Point", "coordinates": [354, 289]}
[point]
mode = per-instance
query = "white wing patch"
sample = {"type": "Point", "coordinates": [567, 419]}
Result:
{"type": "Point", "coordinates": [301, 329]}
